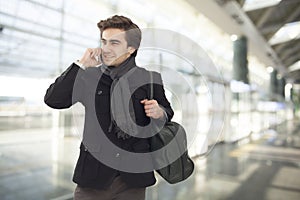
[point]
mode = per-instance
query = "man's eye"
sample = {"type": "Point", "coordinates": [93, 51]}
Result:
{"type": "Point", "coordinates": [115, 43]}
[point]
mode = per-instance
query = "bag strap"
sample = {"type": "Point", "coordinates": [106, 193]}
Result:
{"type": "Point", "coordinates": [151, 85]}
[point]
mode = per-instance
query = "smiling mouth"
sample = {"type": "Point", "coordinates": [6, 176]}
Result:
{"type": "Point", "coordinates": [108, 60]}
{"type": "Point", "coordinates": [109, 57]}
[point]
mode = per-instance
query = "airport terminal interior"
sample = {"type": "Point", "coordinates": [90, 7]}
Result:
{"type": "Point", "coordinates": [230, 68]}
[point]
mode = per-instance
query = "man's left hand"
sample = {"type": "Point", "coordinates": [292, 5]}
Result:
{"type": "Point", "coordinates": [152, 109]}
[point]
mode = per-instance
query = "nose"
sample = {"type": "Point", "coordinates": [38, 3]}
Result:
{"type": "Point", "coordinates": [106, 48]}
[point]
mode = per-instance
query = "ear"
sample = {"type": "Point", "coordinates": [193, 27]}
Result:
{"type": "Point", "coordinates": [131, 50]}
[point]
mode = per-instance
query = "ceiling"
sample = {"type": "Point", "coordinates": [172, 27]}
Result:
{"type": "Point", "coordinates": [259, 25]}
{"type": "Point", "coordinates": [269, 20]}
{"type": "Point", "coordinates": [21, 33]}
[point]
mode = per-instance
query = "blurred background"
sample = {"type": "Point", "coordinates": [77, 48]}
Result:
{"type": "Point", "coordinates": [239, 96]}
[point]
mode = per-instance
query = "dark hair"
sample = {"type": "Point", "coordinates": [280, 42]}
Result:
{"type": "Point", "coordinates": [133, 34]}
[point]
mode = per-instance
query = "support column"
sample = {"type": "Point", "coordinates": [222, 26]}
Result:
{"type": "Point", "coordinates": [281, 87]}
{"type": "Point", "coordinates": [240, 116]}
{"type": "Point", "coordinates": [240, 62]}
{"type": "Point", "coordinates": [273, 83]}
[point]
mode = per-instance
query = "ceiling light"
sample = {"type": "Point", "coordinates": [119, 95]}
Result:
{"type": "Point", "coordinates": [270, 69]}
{"type": "Point", "coordinates": [279, 76]}
{"type": "Point", "coordinates": [233, 37]}
{"type": "Point", "coordinates": [287, 32]}
{"type": "Point", "coordinates": [258, 4]}
{"type": "Point", "coordinates": [295, 66]}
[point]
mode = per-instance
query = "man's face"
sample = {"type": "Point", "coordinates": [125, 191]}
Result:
{"type": "Point", "coordinates": [114, 47]}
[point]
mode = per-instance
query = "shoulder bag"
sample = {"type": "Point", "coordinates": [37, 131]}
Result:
{"type": "Point", "coordinates": [172, 142]}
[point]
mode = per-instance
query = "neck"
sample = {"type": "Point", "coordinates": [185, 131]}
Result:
{"type": "Point", "coordinates": [123, 68]}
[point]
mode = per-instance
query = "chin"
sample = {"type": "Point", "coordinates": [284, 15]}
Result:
{"type": "Point", "coordinates": [108, 63]}
{"type": "Point", "coordinates": [113, 63]}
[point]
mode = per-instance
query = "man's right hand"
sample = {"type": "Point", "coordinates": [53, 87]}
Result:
{"type": "Point", "coordinates": [91, 57]}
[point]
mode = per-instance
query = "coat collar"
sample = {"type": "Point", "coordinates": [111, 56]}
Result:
{"type": "Point", "coordinates": [117, 72]}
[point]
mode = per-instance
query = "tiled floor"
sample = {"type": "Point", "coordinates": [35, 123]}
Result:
{"type": "Point", "coordinates": [37, 164]}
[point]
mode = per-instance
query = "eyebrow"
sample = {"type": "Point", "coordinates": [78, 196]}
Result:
{"type": "Point", "coordinates": [113, 40]}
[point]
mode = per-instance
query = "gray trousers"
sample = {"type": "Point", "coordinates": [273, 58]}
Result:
{"type": "Point", "coordinates": [117, 191]}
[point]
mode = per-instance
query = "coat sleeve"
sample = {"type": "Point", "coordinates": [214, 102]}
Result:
{"type": "Point", "coordinates": [160, 96]}
{"type": "Point", "coordinates": [59, 95]}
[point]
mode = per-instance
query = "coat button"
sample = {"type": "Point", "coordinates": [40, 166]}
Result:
{"type": "Point", "coordinates": [117, 155]}
{"type": "Point", "coordinates": [99, 92]}
{"type": "Point", "coordinates": [85, 149]}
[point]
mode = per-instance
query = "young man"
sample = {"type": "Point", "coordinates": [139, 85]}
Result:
{"type": "Point", "coordinates": [100, 80]}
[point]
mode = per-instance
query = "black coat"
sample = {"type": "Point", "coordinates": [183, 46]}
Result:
{"type": "Point", "coordinates": [94, 93]}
